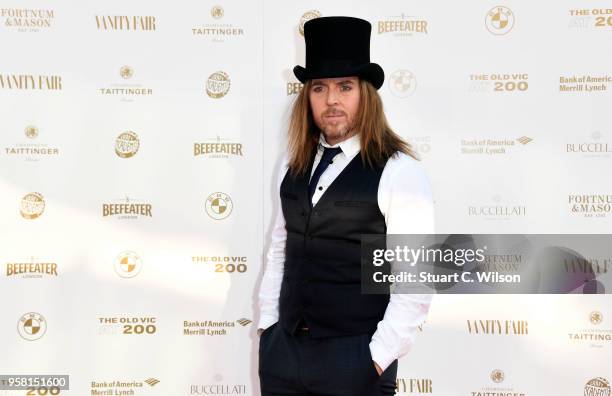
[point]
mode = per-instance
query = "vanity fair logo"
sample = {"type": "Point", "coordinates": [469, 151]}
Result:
{"type": "Point", "coordinates": [414, 386]}
{"type": "Point", "coordinates": [126, 88]}
{"type": "Point", "coordinates": [27, 20]}
{"type": "Point", "coordinates": [125, 23]}
{"type": "Point", "coordinates": [30, 82]}
{"type": "Point", "coordinates": [219, 31]}
{"type": "Point", "coordinates": [29, 149]}
{"type": "Point", "coordinates": [497, 327]}
{"type": "Point", "coordinates": [587, 266]}
{"type": "Point", "coordinates": [499, 20]}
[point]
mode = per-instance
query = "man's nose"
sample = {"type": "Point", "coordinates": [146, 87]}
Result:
{"type": "Point", "coordinates": [332, 97]}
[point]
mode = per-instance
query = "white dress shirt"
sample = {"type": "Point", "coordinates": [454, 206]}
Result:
{"type": "Point", "coordinates": [406, 202]}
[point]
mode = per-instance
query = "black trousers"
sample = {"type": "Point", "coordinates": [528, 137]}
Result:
{"type": "Point", "coordinates": [296, 364]}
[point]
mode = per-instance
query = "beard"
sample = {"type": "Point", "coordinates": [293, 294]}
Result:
{"type": "Point", "coordinates": [336, 129]}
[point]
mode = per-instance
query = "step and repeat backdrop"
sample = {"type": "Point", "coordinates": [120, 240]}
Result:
{"type": "Point", "coordinates": [139, 151]}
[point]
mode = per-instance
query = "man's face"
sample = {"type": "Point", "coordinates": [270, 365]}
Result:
{"type": "Point", "coordinates": [334, 103]}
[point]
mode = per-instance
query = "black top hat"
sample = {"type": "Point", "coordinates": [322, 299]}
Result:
{"type": "Point", "coordinates": [339, 47]}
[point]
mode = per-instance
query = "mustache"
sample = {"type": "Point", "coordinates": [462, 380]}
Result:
{"type": "Point", "coordinates": [333, 112]}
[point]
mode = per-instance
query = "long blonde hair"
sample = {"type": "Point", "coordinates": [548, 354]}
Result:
{"type": "Point", "coordinates": [378, 140]}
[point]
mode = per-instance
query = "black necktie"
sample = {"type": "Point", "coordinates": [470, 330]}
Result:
{"type": "Point", "coordinates": [328, 154]}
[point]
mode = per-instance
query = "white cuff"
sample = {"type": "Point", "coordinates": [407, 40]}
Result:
{"type": "Point", "coordinates": [266, 321]}
{"type": "Point", "coordinates": [381, 356]}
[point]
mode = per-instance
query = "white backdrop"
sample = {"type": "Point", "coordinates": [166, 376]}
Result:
{"type": "Point", "coordinates": [104, 106]}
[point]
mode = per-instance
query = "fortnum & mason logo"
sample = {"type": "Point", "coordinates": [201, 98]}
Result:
{"type": "Point", "coordinates": [26, 20]}
{"type": "Point", "coordinates": [590, 205]}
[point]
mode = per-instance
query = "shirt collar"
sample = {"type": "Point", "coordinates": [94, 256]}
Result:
{"type": "Point", "coordinates": [350, 147]}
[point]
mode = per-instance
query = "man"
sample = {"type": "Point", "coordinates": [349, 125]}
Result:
{"type": "Point", "coordinates": [346, 174]}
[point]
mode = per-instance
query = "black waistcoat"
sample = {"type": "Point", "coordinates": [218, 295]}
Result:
{"type": "Point", "coordinates": [322, 275]}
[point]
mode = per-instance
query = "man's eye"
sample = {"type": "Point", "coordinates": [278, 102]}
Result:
{"type": "Point", "coordinates": [346, 88]}
{"type": "Point", "coordinates": [317, 89]}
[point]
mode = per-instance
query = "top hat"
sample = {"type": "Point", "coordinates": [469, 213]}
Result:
{"type": "Point", "coordinates": [339, 46]}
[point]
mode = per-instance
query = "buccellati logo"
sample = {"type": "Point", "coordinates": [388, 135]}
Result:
{"type": "Point", "coordinates": [217, 85]}
{"type": "Point", "coordinates": [31, 326]}
{"type": "Point", "coordinates": [32, 205]}
{"type": "Point", "coordinates": [307, 16]}
{"type": "Point", "coordinates": [219, 205]}
{"type": "Point", "coordinates": [127, 144]}
{"type": "Point", "coordinates": [402, 83]}
{"type": "Point", "coordinates": [128, 264]}
{"type": "Point", "coordinates": [499, 20]}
